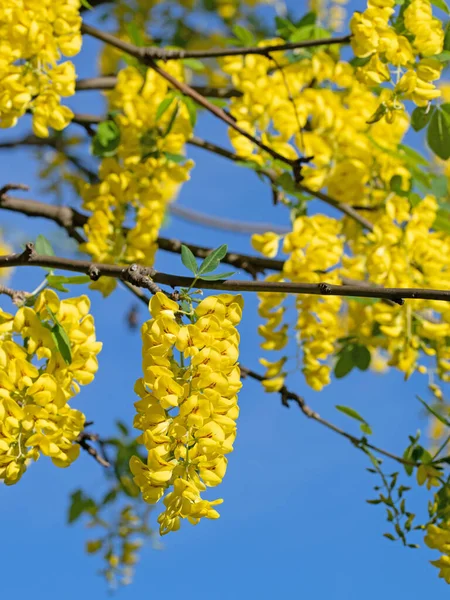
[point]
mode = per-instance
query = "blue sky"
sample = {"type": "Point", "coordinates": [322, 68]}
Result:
{"type": "Point", "coordinates": [294, 520]}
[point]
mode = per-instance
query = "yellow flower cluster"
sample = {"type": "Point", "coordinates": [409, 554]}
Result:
{"type": "Point", "coordinates": [188, 407]}
{"type": "Point", "coordinates": [404, 251]}
{"type": "Point", "coordinates": [438, 538]}
{"type": "Point", "coordinates": [35, 34]}
{"type": "Point", "coordinates": [315, 247]}
{"type": "Point", "coordinates": [422, 37]}
{"type": "Point", "coordinates": [37, 382]}
{"type": "Point", "coordinates": [350, 155]}
{"type": "Point", "coordinates": [143, 178]}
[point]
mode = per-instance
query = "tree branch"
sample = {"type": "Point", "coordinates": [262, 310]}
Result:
{"type": "Point", "coordinates": [155, 53]}
{"type": "Point", "coordinates": [272, 176]}
{"type": "Point", "coordinates": [140, 54]}
{"type": "Point", "coordinates": [110, 81]}
{"type": "Point", "coordinates": [360, 443]}
{"type": "Point", "coordinates": [147, 277]}
{"type": "Point", "coordinates": [83, 438]}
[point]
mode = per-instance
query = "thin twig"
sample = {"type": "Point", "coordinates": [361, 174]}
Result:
{"type": "Point", "coordinates": [83, 439]}
{"type": "Point", "coordinates": [109, 82]}
{"type": "Point", "coordinates": [147, 277]}
{"type": "Point", "coordinates": [17, 296]}
{"type": "Point", "coordinates": [360, 443]}
{"type": "Point", "coordinates": [156, 53]}
{"type": "Point", "coordinates": [246, 227]}
{"type": "Point", "coordinates": [141, 55]}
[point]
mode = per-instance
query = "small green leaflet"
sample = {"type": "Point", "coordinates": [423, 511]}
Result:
{"type": "Point", "coordinates": [245, 37]}
{"type": "Point", "coordinates": [191, 108]}
{"type": "Point", "coordinates": [361, 357]}
{"type": "Point", "coordinates": [434, 413]}
{"type": "Point", "coordinates": [212, 261]}
{"type": "Point", "coordinates": [57, 281]}
{"type": "Point", "coordinates": [164, 105]}
{"type": "Point", "coordinates": [86, 4]}
{"type": "Point", "coordinates": [188, 259]}
{"type": "Point", "coordinates": [106, 139]}
{"type": "Point", "coordinates": [441, 4]}
{"type": "Point", "coordinates": [135, 34]}
{"type": "Point", "coordinates": [350, 412]}
{"type": "Point", "coordinates": [438, 134]}
{"type": "Point", "coordinates": [60, 338]}
{"type": "Point", "coordinates": [79, 504]}
{"type": "Point", "coordinates": [378, 114]}
{"type": "Point", "coordinates": [194, 64]}
{"type": "Point", "coordinates": [176, 158]}
{"type": "Point", "coordinates": [217, 276]}
{"type": "Point", "coordinates": [43, 246]}
{"type": "Point", "coordinates": [421, 116]}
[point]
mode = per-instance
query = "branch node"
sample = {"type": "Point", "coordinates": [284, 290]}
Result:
{"type": "Point", "coordinates": [94, 273]}
{"type": "Point", "coordinates": [13, 186]}
{"type": "Point", "coordinates": [324, 288]}
{"type": "Point", "coordinates": [29, 252]}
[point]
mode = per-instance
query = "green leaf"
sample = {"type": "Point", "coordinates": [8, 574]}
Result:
{"type": "Point", "coordinates": [366, 301]}
{"type": "Point", "coordinates": [447, 38]}
{"type": "Point", "coordinates": [361, 357]}
{"type": "Point", "coordinates": [60, 337]}
{"type": "Point", "coordinates": [122, 427]}
{"type": "Point", "coordinates": [188, 259]}
{"type": "Point", "coordinates": [439, 186]}
{"type": "Point", "coordinates": [212, 261]}
{"type": "Point", "coordinates": [375, 501]}
{"type": "Point", "coordinates": [443, 57]}
{"type": "Point", "coordinates": [106, 139]}
{"type": "Point", "coordinates": [350, 412]}
{"type": "Point", "coordinates": [86, 4]}
{"type": "Point", "coordinates": [344, 365]}
{"type": "Point", "coordinates": [43, 246]}
{"type": "Point", "coordinates": [434, 413]}
{"type": "Point", "coordinates": [135, 34]}
{"type": "Point", "coordinates": [442, 221]}
{"type": "Point", "coordinates": [164, 105]}
{"type": "Point", "coordinates": [176, 158]}
{"type": "Point", "coordinates": [217, 276]}
{"type": "Point", "coordinates": [396, 186]}
{"type": "Point", "coordinates": [284, 27]}
{"type": "Point", "coordinates": [360, 62]}
{"type": "Point", "coordinates": [194, 64]}
{"type": "Point", "coordinates": [244, 36]}
{"type": "Point", "coordinates": [309, 19]}
{"type": "Point", "coordinates": [79, 504]}
{"type": "Point", "coordinates": [57, 281]}
{"type": "Point", "coordinates": [191, 108]}
{"type": "Point", "coordinates": [389, 536]}
{"type": "Point", "coordinates": [378, 114]}
{"type": "Point", "coordinates": [109, 496]}
{"type": "Point", "coordinates": [438, 134]}
{"type": "Point", "coordinates": [421, 116]}
{"type": "Point", "coordinates": [441, 4]}
{"type": "Point", "coordinates": [172, 120]}
{"type": "Point", "coordinates": [365, 428]}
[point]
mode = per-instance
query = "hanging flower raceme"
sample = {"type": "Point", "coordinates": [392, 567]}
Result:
{"type": "Point", "coordinates": [35, 35]}
{"type": "Point", "coordinates": [46, 352]}
{"type": "Point", "coordinates": [188, 404]}
{"type": "Point", "coordinates": [408, 42]}
{"type": "Point", "coordinates": [144, 175]}
{"type": "Point", "coordinates": [315, 249]}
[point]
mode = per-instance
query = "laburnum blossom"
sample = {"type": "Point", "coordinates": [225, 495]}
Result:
{"type": "Point", "coordinates": [35, 35]}
{"type": "Point", "coordinates": [37, 382]}
{"type": "Point", "coordinates": [143, 177]}
{"type": "Point", "coordinates": [188, 405]}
